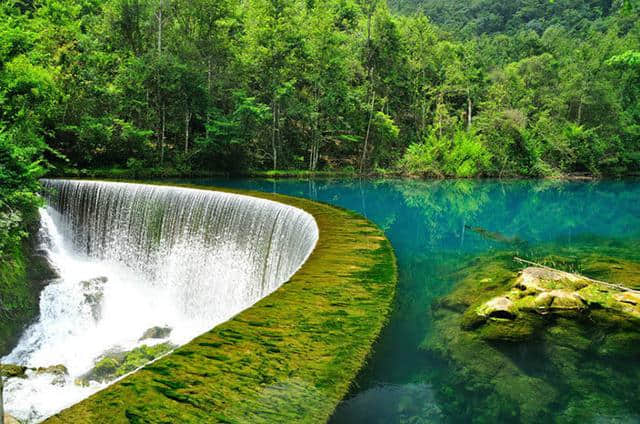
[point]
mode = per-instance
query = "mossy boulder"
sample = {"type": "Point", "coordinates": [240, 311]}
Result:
{"type": "Point", "coordinates": [115, 364]}
{"type": "Point", "coordinates": [12, 371]}
{"type": "Point", "coordinates": [522, 345]}
{"type": "Point", "coordinates": [519, 311]}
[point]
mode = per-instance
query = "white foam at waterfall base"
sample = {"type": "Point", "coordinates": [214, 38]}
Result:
{"type": "Point", "coordinates": [67, 333]}
{"type": "Point", "coordinates": [193, 285]}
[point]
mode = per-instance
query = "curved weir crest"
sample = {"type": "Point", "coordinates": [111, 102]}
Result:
{"type": "Point", "coordinates": [181, 258]}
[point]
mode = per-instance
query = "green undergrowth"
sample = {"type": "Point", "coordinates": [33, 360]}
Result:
{"type": "Point", "coordinates": [573, 360]}
{"type": "Point", "coordinates": [134, 172]}
{"type": "Point", "coordinates": [289, 358]}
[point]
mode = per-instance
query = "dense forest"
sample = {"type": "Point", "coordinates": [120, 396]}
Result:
{"type": "Point", "coordinates": [436, 88]}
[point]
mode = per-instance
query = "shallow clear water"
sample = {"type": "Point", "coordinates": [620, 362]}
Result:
{"type": "Point", "coordinates": [425, 221]}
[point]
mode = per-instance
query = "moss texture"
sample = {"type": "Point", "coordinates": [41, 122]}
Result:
{"type": "Point", "coordinates": [289, 358]}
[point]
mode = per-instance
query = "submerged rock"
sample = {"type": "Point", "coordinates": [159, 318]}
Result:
{"type": "Point", "coordinates": [523, 344]}
{"type": "Point", "coordinates": [93, 292]}
{"type": "Point", "coordinates": [539, 291]}
{"type": "Point", "coordinates": [156, 333]}
{"type": "Point", "coordinates": [115, 364]}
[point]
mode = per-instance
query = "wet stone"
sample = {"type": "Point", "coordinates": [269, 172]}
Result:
{"type": "Point", "coordinates": [93, 292]}
{"type": "Point", "coordinates": [156, 333]}
{"type": "Point", "coordinates": [12, 371]}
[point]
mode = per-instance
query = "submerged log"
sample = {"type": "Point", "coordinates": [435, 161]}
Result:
{"type": "Point", "coordinates": [495, 236]}
{"type": "Point", "coordinates": [571, 275]}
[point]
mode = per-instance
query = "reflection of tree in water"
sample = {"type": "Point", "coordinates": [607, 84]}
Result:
{"type": "Point", "coordinates": [533, 211]}
{"type": "Point", "coordinates": [421, 216]}
{"type": "Point", "coordinates": [446, 206]}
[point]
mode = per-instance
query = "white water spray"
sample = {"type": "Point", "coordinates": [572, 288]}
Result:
{"type": "Point", "coordinates": [181, 258]}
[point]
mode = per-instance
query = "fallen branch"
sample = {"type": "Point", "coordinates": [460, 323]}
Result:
{"type": "Point", "coordinates": [604, 283]}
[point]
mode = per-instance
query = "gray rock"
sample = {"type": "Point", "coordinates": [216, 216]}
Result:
{"type": "Point", "coordinates": [156, 333]}
{"type": "Point", "coordinates": [93, 291]}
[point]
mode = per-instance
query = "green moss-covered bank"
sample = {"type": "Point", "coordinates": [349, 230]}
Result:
{"type": "Point", "coordinates": [17, 304]}
{"type": "Point", "coordinates": [535, 345]}
{"type": "Point", "coordinates": [289, 358]}
{"type": "Point", "coordinates": [23, 274]}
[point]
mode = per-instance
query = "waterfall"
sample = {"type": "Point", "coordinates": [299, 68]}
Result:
{"type": "Point", "coordinates": [145, 256]}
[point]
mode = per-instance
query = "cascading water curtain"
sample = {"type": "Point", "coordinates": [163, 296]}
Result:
{"type": "Point", "coordinates": [220, 251]}
{"type": "Point", "coordinates": [133, 258]}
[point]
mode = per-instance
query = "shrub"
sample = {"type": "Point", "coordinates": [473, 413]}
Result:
{"type": "Point", "coordinates": [463, 156]}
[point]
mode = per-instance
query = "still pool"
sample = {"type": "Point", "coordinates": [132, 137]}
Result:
{"type": "Point", "coordinates": [430, 226]}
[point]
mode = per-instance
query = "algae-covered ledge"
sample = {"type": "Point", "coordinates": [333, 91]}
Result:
{"type": "Point", "coordinates": [289, 358]}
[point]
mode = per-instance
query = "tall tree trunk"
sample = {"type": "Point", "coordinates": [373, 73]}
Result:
{"type": "Point", "coordinates": [423, 117]}
{"type": "Point", "coordinates": [159, 17]}
{"type": "Point", "coordinates": [158, 94]}
{"type": "Point", "coordinates": [162, 138]}
{"type": "Point", "coordinates": [468, 111]}
{"type": "Point", "coordinates": [370, 78]}
{"type": "Point", "coordinates": [274, 150]}
{"type": "Point", "coordinates": [313, 154]}
{"type": "Point", "coordinates": [1, 400]}
{"type": "Point", "coordinates": [423, 104]}
{"type": "Point", "coordinates": [440, 115]}
{"type": "Point", "coordinates": [209, 79]}
{"type": "Point", "coordinates": [366, 137]}
{"type": "Point", "coordinates": [187, 122]}
{"type": "Point", "coordinates": [579, 110]}
{"type": "Point", "coordinates": [315, 144]}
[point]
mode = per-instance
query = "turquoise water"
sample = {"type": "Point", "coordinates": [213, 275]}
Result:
{"type": "Point", "coordinates": [425, 221]}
